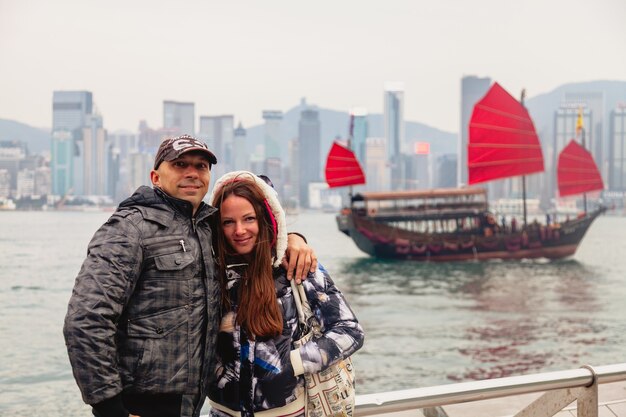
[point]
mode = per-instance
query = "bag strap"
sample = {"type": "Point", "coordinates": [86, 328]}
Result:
{"type": "Point", "coordinates": [302, 304]}
{"type": "Point", "coordinates": [307, 319]}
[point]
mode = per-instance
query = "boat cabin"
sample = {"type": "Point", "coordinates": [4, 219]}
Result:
{"type": "Point", "coordinates": [435, 204]}
{"type": "Point", "coordinates": [443, 210]}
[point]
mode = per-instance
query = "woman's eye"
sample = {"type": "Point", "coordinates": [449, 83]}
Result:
{"type": "Point", "coordinates": [250, 219]}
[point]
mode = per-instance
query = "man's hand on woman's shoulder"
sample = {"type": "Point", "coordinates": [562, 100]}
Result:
{"type": "Point", "coordinates": [300, 258]}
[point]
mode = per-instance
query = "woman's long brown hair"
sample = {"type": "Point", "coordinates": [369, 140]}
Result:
{"type": "Point", "coordinates": [258, 312]}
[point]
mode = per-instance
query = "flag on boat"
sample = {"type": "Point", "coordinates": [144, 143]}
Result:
{"type": "Point", "coordinates": [342, 167]}
{"type": "Point", "coordinates": [503, 142]}
{"type": "Point", "coordinates": [577, 172]}
{"type": "Point", "coordinates": [579, 121]}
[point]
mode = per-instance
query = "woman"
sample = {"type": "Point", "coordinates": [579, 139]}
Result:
{"type": "Point", "coordinates": [257, 369]}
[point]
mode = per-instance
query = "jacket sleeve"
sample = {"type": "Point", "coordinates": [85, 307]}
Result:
{"type": "Point", "coordinates": [342, 333]}
{"type": "Point", "coordinates": [101, 290]}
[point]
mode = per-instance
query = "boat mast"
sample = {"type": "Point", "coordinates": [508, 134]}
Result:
{"type": "Point", "coordinates": [579, 125]}
{"type": "Point", "coordinates": [524, 176]}
{"type": "Point", "coordinates": [350, 133]}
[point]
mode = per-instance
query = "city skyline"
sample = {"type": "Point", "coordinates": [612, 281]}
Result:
{"type": "Point", "coordinates": [242, 58]}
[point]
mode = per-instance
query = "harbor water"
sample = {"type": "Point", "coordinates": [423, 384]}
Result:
{"type": "Point", "coordinates": [425, 323]}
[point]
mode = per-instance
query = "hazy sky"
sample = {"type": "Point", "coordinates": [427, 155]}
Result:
{"type": "Point", "coordinates": [240, 57]}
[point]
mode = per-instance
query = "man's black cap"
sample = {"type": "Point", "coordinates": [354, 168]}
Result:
{"type": "Point", "coordinates": [172, 148]}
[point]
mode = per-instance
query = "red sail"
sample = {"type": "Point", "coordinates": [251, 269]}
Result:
{"type": "Point", "coordinates": [342, 167]}
{"type": "Point", "coordinates": [577, 173]}
{"type": "Point", "coordinates": [502, 139]}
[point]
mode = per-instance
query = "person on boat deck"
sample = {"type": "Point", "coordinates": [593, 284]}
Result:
{"type": "Point", "coordinates": [143, 317]}
{"type": "Point", "coordinates": [257, 367]}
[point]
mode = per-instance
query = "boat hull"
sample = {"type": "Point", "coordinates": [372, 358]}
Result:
{"type": "Point", "coordinates": [536, 241]}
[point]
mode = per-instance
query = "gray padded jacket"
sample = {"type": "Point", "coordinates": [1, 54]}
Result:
{"type": "Point", "coordinates": [144, 311]}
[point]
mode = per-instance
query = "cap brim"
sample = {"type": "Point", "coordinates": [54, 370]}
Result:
{"type": "Point", "coordinates": [211, 157]}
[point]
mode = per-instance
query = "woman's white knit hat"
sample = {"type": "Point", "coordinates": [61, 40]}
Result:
{"type": "Point", "coordinates": [272, 198]}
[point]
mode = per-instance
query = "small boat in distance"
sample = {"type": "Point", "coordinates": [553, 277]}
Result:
{"type": "Point", "coordinates": [455, 224]}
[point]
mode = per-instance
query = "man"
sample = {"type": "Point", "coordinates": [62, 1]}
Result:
{"type": "Point", "coordinates": [141, 323]}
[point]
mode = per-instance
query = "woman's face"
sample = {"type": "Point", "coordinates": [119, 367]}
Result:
{"type": "Point", "coordinates": [239, 224]}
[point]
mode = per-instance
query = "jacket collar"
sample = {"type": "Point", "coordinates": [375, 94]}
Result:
{"type": "Point", "coordinates": [185, 208]}
{"type": "Point", "coordinates": [158, 206]}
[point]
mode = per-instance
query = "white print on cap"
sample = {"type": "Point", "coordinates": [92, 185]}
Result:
{"type": "Point", "coordinates": [187, 143]}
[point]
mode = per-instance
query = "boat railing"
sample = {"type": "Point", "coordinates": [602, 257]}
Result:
{"type": "Point", "coordinates": [559, 388]}
{"type": "Point", "coordinates": [433, 207]}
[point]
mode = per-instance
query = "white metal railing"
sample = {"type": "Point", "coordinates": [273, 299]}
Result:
{"type": "Point", "coordinates": [562, 388]}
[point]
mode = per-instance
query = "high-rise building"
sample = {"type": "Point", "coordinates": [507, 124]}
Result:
{"type": "Point", "coordinates": [125, 141]}
{"type": "Point", "coordinates": [617, 150]}
{"type": "Point", "coordinates": [5, 183]}
{"type": "Point", "coordinates": [417, 168]}
{"type": "Point", "coordinates": [292, 175]}
{"type": "Point", "coordinates": [12, 155]}
{"type": "Point", "coordinates": [472, 90]}
{"type": "Point", "coordinates": [25, 183]}
{"type": "Point", "coordinates": [112, 185]}
{"type": "Point", "coordinates": [123, 144]}
{"type": "Point", "coordinates": [70, 110]}
{"type": "Point", "coordinates": [376, 164]}
{"type": "Point", "coordinates": [308, 152]}
{"type": "Point", "coordinates": [150, 139]}
{"type": "Point", "coordinates": [139, 165]}
{"type": "Point", "coordinates": [394, 133]}
{"type": "Point", "coordinates": [42, 181]}
{"type": "Point", "coordinates": [179, 117]}
{"type": "Point", "coordinates": [360, 132]}
{"type": "Point", "coordinates": [273, 121]}
{"type": "Point", "coordinates": [95, 157]}
{"type": "Point", "coordinates": [62, 162]}
{"type": "Point", "coordinates": [241, 160]}
{"type": "Point", "coordinates": [445, 171]}
{"type": "Point", "coordinates": [217, 132]}
{"type": "Point", "coordinates": [273, 168]}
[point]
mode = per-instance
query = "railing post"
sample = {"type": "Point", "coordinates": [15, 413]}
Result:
{"type": "Point", "coordinates": [550, 403]}
{"type": "Point", "coordinates": [587, 402]}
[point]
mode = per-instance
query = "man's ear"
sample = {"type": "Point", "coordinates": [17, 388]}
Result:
{"type": "Point", "coordinates": [155, 178]}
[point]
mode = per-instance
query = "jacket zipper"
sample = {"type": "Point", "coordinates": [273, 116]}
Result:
{"type": "Point", "coordinates": [170, 243]}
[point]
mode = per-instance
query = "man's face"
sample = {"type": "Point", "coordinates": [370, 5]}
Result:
{"type": "Point", "coordinates": [186, 177]}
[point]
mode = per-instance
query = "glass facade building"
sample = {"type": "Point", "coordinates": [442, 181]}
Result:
{"type": "Point", "coordinates": [309, 158]}
{"type": "Point", "coordinates": [179, 117]}
{"type": "Point", "coordinates": [394, 133]}
{"type": "Point", "coordinates": [70, 110]}
{"type": "Point", "coordinates": [273, 121]}
{"type": "Point", "coordinates": [617, 150]}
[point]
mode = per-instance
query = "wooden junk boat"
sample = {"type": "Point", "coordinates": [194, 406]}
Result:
{"type": "Point", "coordinates": [456, 224]}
